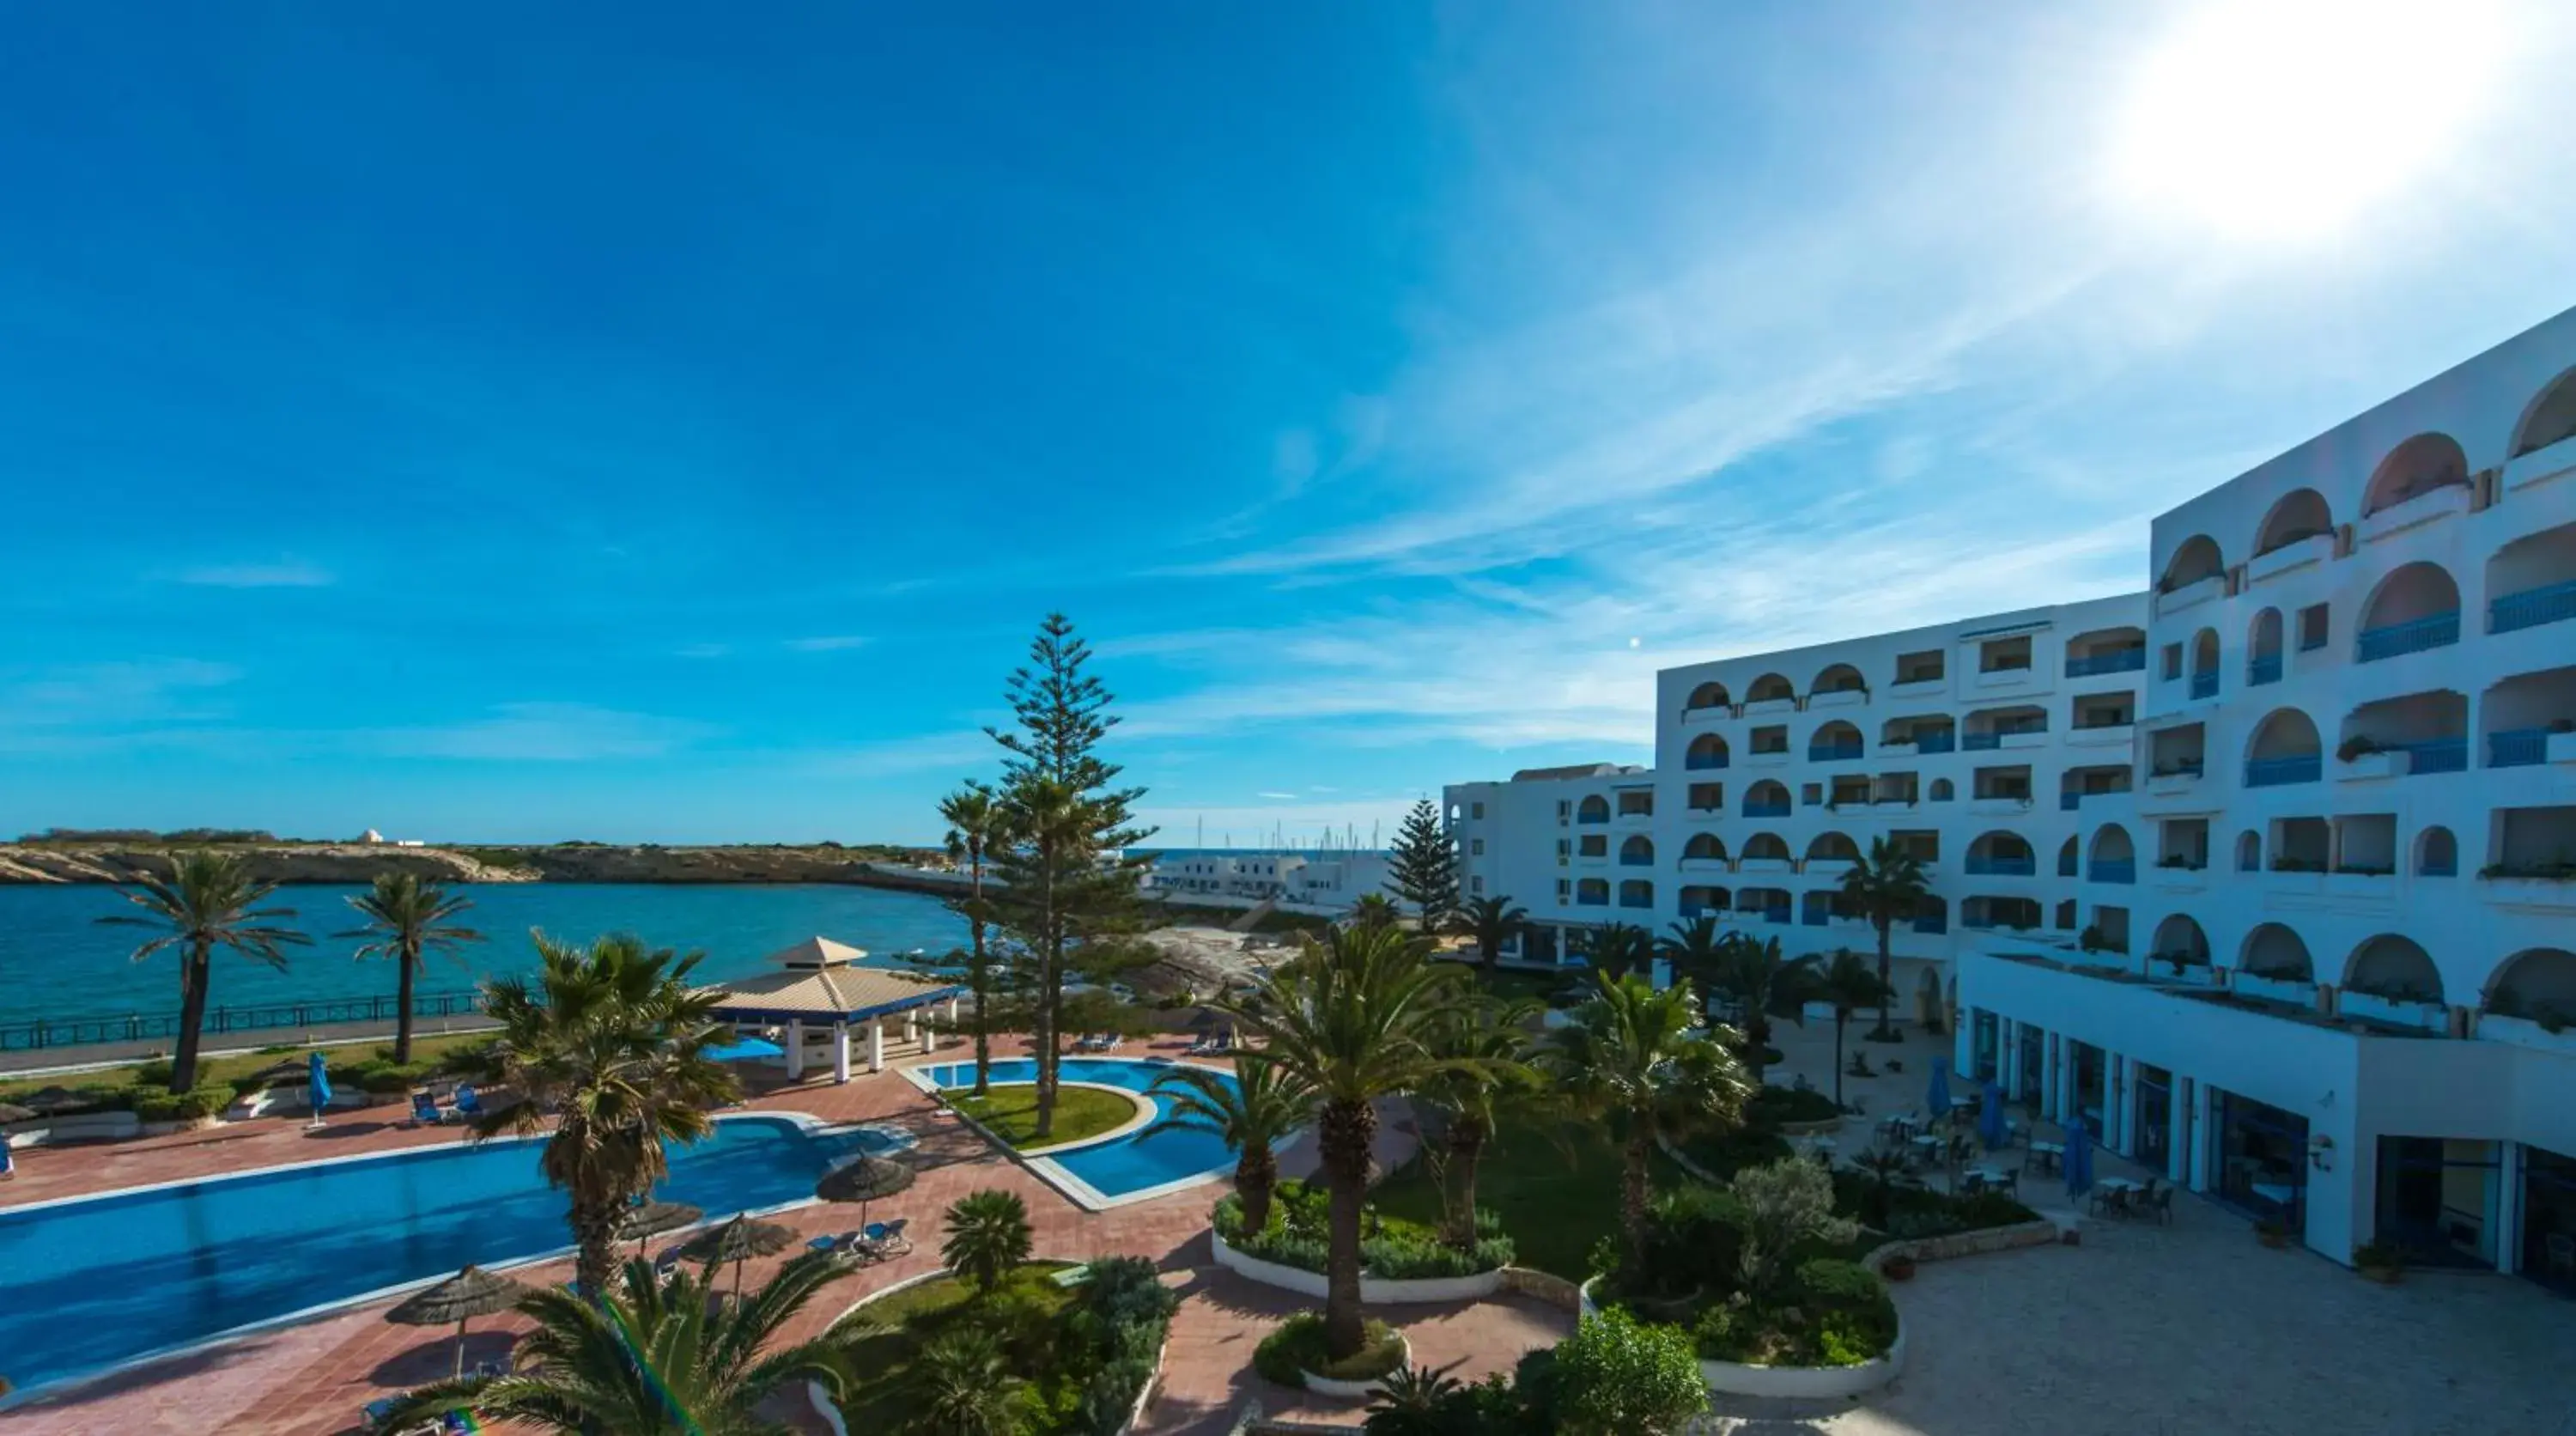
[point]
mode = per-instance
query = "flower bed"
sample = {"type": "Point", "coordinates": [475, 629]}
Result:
{"type": "Point", "coordinates": [1294, 1355]}
{"type": "Point", "coordinates": [1083, 1358]}
{"type": "Point", "coordinates": [1400, 1261]}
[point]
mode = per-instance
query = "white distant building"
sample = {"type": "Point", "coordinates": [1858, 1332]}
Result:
{"type": "Point", "coordinates": [1332, 879]}
{"type": "Point", "coordinates": [2269, 874]}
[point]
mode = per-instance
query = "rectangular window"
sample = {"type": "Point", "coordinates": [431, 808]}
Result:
{"type": "Point", "coordinates": [1811, 793]}
{"type": "Point", "coordinates": [1921, 667]}
{"type": "Point", "coordinates": [1564, 890]}
{"type": "Point", "coordinates": [1475, 810]}
{"type": "Point", "coordinates": [1924, 844]}
{"type": "Point", "coordinates": [1476, 886]}
{"type": "Point", "coordinates": [1774, 739]}
{"type": "Point", "coordinates": [2170, 664]}
{"type": "Point", "coordinates": [1707, 797]}
{"type": "Point", "coordinates": [1998, 655]}
{"type": "Point", "coordinates": [1594, 846]}
{"type": "Point", "coordinates": [1476, 847]}
{"type": "Point", "coordinates": [2312, 626]}
{"type": "Point", "coordinates": [1565, 806]}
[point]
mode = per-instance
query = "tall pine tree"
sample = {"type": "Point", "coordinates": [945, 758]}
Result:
{"type": "Point", "coordinates": [1066, 891]}
{"type": "Point", "coordinates": [1422, 868]}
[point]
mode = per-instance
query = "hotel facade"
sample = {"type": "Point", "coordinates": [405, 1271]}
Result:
{"type": "Point", "coordinates": [2267, 873]}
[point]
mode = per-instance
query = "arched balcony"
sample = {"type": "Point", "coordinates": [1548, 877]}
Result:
{"type": "Point", "coordinates": [1704, 853]}
{"type": "Point", "coordinates": [1838, 686]}
{"type": "Point", "coordinates": [1592, 892]}
{"type": "Point", "coordinates": [1704, 901]}
{"type": "Point", "coordinates": [1835, 742]}
{"type": "Point", "coordinates": [2285, 750]}
{"type": "Point", "coordinates": [1831, 853]}
{"type": "Point", "coordinates": [2002, 854]}
{"type": "Point", "coordinates": [2204, 663]}
{"type": "Point", "coordinates": [2527, 716]}
{"type": "Point", "coordinates": [2180, 943]}
{"type": "Point", "coordinates": [1707, 699]}
{"type": "Point", "coordinates": [2106, 650]}
{"type": "Point", "coordinates": [2551, 419]}
{"type": "Point", "coordinates": [2300, 515]}
{"type": "Point", "coordinates": [1767, 799]}
{"type": "Point", "coordinates": [2393, 968]}
{"type": "Point", "coordinates": [2263, 649]}
{"type": "Point", "coordinates": [2413, 469]}
{"type": "Point", "coordinates": [1942, 790]}
{"type": "Point", "coordinates": [2196, 573]}
{"type": "Point", "coordinates": [1638, 851]}
{"type": "Point", "coordinates": [2113, 858]}
{"type": "Point", "coordinates": [2532, 581]}
{"type": "Point", "coordinates": [1770, 693]}
{"type": "Point", "coordinates": [2274, 953]}
{"type": "Point", "coordinates": [2415, 733]}
{"type": "Point", "coordinates": [2437, 853]}
{"type": "Point", "coordinates": [1636, 893]}
{"type": "Point", "coordinates": [1764, 853]}
{"type": "Point", "coordinates": [2413, 609]}
{"type": "Point", "coordinates": [1594, 809]}
{"type": "Point", "coordinates": [1705, 753]}
{"type": "Point", "coordinates": [2537, 984]}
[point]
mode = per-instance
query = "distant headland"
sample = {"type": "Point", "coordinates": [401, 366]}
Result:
{"type": "Point", "coordinates": [59, 856]}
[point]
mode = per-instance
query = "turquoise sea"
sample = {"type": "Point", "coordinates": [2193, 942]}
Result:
{"type": "Point", "coordinates": [57, 960]}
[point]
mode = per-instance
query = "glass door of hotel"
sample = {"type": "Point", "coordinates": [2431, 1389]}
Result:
{"type": "Point", "coordinates": [1983, 1024]}
{"type": "Point", "coordinates": [2034, 1063]}
{"type": "Point", "coordinates": [2262, 1160]}
{"type": "Point", "coordinates": [2091, 1068]}
{"type": "Point", "coordinates": [2151, 1124]}
{"type": "Point", "coordinates": [2549, 1219]}
{"type": "Point", "coordinates": [2437, 1199]}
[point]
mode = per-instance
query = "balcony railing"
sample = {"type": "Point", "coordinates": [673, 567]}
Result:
{"type": "Point", "coordinates": [1943, 740]}
{"type": "Point", "coordinates": [2518, 748]}
{"type": "Point", "coordinates": [1770, 808]}
{"type": "Point", "coordinates": [1932, 922]}
{"type": "Point", "coordinates": [2438, 755]}
{"type": "Point", "coordinates": [1702, 762]}
{"type": "Point", "coordinates": [2264, 668]}
{"type": "Point", "coordinates": [1592, 819]}
{"type": "Point", "coordinates": [1988, 865]}
{"type": "Point", "coordinates": [2532, 607]}
{"type": "Point", "coordinates": [2393, 640]}
{"type": "Point", "coordinates": [1832, 752]}
{"type": "Point", "coordinates": [1778, 914]}
{"type": "Point", "coordinates": [1818, 917]}
{"type": "Point", "coordinates": [2205, 684]}
{"type": "Point", "coordinates": [2114, 870]}
{"type": "Point", "coordinates": [2070, 801]}
{"type": "Point", "coordinates": [2125, 660]}
{"type": "Point", "coordinates": [1591, 899]}
{"type": "Point", "coordinates": [2274, 772]}
{"type": "Point", "coordinates": [1627, 900]}
{"type": "Point", "coordinates": [1982, 742]}
{"type": "Point", "coordinates": [1633, 860]}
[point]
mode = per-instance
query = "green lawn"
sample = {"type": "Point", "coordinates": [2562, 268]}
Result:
{"type": "Point", "coordinates": [878, 1359]}
{"type": "Point", "coordinates": [111, 1082]}
{"type": "Point", "coordinates": [1555, 1186]}
{"type": "Point", "coordinates": [1011, 1112]}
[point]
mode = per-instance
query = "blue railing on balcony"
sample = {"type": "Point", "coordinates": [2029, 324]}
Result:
{"type": "Point", "coordinates": [1817, 917]}
{"type": "Point", "coordinates": [1778, 914]}
{"type": "Point", "coordinates": [1932, 922]}
{"type": "Point", "coordinates": [1768, 808]}
{"type": "Point", "coordinates": [2517, 748]}
{"type": "Point", "coordinates": [1832, 752]}
{"type": "Point", "coordinates": [1630, 900]}
{"type": "Point", "coordinates": [1591, 899]}
{"type": "Point", "coordinates": [1636, 860]}
{"type": "Point", "coordinates": [1702, 762]}
{"type": "Point", "coordinates": [2125, 660]}
{"type": "Point", "coordinates": [2532, 607]}
{"type": "Point", "coordinates": [2438, 755]}
{"type": "Point", "coordinates": [1985, 865]}
{"type": "Point", "coordinates": [2205, 684]}
{"type": "Point", "coordinates": [2114, 870]}
{"type": "Point", "coordinates": [2070, 801]}
{"type": "Point", "coordinates": [1982, 742]}
{"type": "Point", "coordinates": [2440, 867]}
{"type": "Point", "coordinates": [1592, 819]}
{"type": "Point", "coordinates": [2436, 631]}
{"type": "Point", "coordinates": [2273, 772]}
{"type": "Point", "coordinates": [1942, 740]}
{"type": "Point", "coordinates": [2264, 668]}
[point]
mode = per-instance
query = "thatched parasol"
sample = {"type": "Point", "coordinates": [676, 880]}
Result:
{"type": "Point", "coordinates": [470, 1293]}
{"type": "Point", "coordinates": [738, 1241]}
{"type": "Point", "coordinates": [863, 1181]}
{"type": "Point", "coordinates": [651, 1219]}
{"type": "Point", "coordinates": [12, 1112]}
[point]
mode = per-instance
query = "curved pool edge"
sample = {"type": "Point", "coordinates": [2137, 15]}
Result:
{"type": "Point", "coordinates": [1042, 1163]}
{"type": "Point", "coordinates": [54, 1387]}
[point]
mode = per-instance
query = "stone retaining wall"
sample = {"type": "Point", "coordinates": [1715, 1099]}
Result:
{"type": "Point", "coordinates": [1375, 1291]}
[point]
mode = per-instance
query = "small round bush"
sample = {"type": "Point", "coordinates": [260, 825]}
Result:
{"type": "Point", "coordinates": [1617, 1376]}
{"type": "Point", "coordinates": [1297, 1347]}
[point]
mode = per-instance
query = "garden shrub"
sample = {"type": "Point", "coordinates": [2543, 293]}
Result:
{"type": "Point", "coordinates": [1694, 1241]}
{"type": "Point", "coordinates": [1786, 1204]}
{"type": "Point", "coordinates": [1299, 1236]}
{"type": "Point", "coordinates": [1617, 1376]}
{"type": "Point", "coordinates": [1125, 1313]}
{"type": "Point", "coordinates": [1297, 1347]}
{"type": "Point", "coordinates": [1724, 1154]}
{"type": "Point", "coordinates": [1772, 1106]}
{"type": "Point", "coordinates": [190, 1106]}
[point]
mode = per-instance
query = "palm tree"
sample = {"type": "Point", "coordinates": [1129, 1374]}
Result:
{"type": "Point", "coordinates": [1848, 983]}
{"type": "Point", "coordinates": [1491, 921]}
{"type": "Point", "coordinates": [1695, 948]}
{"type": "Point", "coordinates": [1490, 1041]}
{"type": "Point", "coordinates": [1619, 948]}
{"type": "Point", "coordinates": [988, 1238]}
{"type": "Point", "coordinates": [611, 1048]}
{"type": "Point", "coordinates": [409, 918]}
{"type": "Point", "coordinates": [1751, 972]}
{"type": "Point", "coordinates": [1354, 1021]}
{"type": "Point", "coordinates": [975, 827]}
{"type": "Point", "coordinates": [1884, 891]}
{"type": "Point", "coordinates": [657, 1356]}
{"type": "Point", "coordinates": [1412, 1402]}
{"type": "Point", "coordinates": [962, 1385]}
{"type": "Point", "coordinates": [1375, 910]}
{"type": "Point", "coordinates": [1887, 1170]}
{"type": "Point", "coordinates": [210, 900]}
{"type": "Point", "coordinates": [1630, 1058]}
{"type": "Point", "coordinates": [1254, 1113]}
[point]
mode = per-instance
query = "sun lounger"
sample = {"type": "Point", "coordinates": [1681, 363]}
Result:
{"type": "Point", "coordinates": [425, 1110]}
{"type": "Point", "coordinates": [8, 1163]}
{"type": "Point", "coordinates": [469, 1103]}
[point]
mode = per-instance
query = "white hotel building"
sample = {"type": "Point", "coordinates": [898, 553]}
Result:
{"type": "Point", "coordinates": [2269, 872]}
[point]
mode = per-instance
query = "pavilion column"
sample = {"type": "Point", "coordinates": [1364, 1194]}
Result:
{"type": "Point", "coordinates": [2008, 1057]}
{"type": "Point", "coordinates": [840, 1052]}
{"type": "Point", "coordinates": [2178, 1140]}
{"type": "Point", "coordinates": [952, 1012]}
{"type": "Point", "coordinates": [795, 1050]}
{"type": "Point", "coordinates": [928, 1022]}
{"type": "Point", "coordinates": [876, 1044]}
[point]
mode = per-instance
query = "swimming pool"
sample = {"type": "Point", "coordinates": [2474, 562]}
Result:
{"type": "Point", "coordinates": [93, 1282]}
{"type": "Point", "coordinates": [1118, 1169]}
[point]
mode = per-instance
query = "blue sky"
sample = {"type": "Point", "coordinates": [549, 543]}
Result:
{"type": "Point", "coordinates": [645, 422]}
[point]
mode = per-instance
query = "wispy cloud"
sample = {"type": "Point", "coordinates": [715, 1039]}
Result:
{"type": "Point", "coordinates": [284, 573]}
{"type": "Point", "coordinates": [544, 733]}
{"type": "Point", "coordinates": [827, 643]}
{"type": "Point", "coordinates": [1278, 797]}
{"type": "Point", "coordinates": [109, 705]}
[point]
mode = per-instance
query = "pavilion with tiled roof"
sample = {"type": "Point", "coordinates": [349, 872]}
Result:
{"type": "Point", "coordinates": [822, 985]}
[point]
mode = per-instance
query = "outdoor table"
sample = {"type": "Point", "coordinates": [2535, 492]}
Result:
{"type": "Point", "coordinates": [2117, 1184]}
{"type": "Point", "coordinates": [2277, 1195]}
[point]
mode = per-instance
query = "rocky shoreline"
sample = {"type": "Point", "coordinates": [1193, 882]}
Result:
{"type": "Point", "coordinates": [564, 863]}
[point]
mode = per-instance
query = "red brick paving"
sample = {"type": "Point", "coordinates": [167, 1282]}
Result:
{"type": "Point", "coordinates": [314, 1378]}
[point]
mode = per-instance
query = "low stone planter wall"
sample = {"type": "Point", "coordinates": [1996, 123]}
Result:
{"type": "Point", "coordinates": [1821, 1127]}
{"type": "Point", "coordinates": [1958, 1244]}
{"type": "Point", "coordinates": [1744, 1378]}
{"type": "Point", "coordinates": [1376, 1291]}
{"type": "Point", "coordinates": [1544, 1286]}
{"type": "Point", "coordinates": [1357, 1390]}
{"type": "Point", "coordinates": [85, 1127]}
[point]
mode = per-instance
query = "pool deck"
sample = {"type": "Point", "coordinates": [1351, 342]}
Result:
{"type": "Point", "coordinates": [315, 1377]}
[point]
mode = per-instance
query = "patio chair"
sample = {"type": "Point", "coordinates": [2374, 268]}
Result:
{"type": "Point", "coordinates": [425, 1110]}
{"type": "Point", "coordinates": [2111, 1201]}
{"type": "Point", "coordinates": [469, 1103]}
{"type": "Point", "coordinates": [892, 1239]}
{"type": "Point", "coordinates": [2157, 1201]}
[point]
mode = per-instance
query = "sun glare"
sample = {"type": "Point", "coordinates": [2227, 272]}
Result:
{"type": "Point", "coordinates": [2284, 118]}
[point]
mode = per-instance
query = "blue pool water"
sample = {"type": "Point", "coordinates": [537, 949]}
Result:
{"type": "Point", "coordinates": [1125, 1165]}
{"type": "Point", "coordinates": [88, 1284]}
